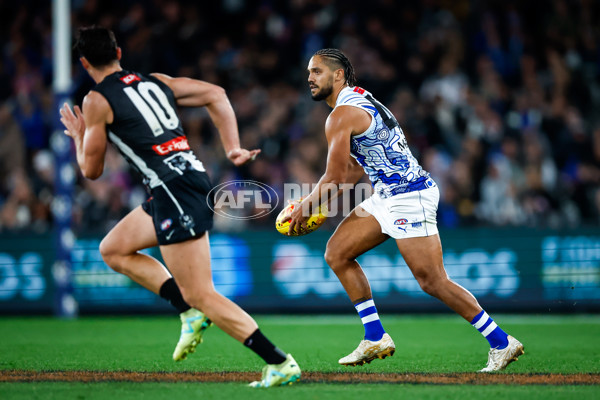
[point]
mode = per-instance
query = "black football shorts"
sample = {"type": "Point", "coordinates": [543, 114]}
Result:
{"type": "Point", "coordinates": [180, 208]}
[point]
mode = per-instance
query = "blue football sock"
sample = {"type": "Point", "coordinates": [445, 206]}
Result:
{"type": "Point", "coordinates": [490, 330]}
{"type": "Point", "coordinates": [370, 319]}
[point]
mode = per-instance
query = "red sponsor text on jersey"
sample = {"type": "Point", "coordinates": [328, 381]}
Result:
{"type": "Point", "coordinates": [177, 144]}
{"type": "Point", "coordinates": [130, 78]}
{"type": "Point", "coordinates": [359, 90]}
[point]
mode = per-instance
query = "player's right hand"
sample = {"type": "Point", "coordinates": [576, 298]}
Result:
{"type": "Point", "coordinates": [72, 121]}
{"type": "Point", "coordinates": [298, 217]}
{"type": "Point", "coordinates": [242, 156]}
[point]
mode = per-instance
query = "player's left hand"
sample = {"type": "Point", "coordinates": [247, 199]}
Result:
{"type": "Point", "coordinates": [298, 217]}
{"type": "Point", "coordinates": [72, 121]}
{"type": "Point", "coordinates": [242, 156]}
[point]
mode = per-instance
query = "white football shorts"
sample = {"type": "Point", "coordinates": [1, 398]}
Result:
{"type": "Point", "coordinates": [406, 215]}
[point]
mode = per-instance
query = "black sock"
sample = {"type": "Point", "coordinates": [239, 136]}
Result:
{"type": "Point", "coordinates": [258, 343]}
{"type": "Point", "coordinates": [170, 292]}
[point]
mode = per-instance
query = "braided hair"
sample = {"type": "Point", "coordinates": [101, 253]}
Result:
{"type": "Point", "coordinates": [335, 58]}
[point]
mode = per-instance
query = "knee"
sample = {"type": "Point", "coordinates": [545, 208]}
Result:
{"type": "Point", "coordinates": [196, 297]}
{"type": "Point", "coordinates": [330, 258]}
{"type": "Point", "coordinates": [334, 257]}
{"type": "Point", "coordinates": [428, 286]}
{"type": "Point", "coordinates": [111, 255]}
{"type": "Point", "coordinates": [431, 284]}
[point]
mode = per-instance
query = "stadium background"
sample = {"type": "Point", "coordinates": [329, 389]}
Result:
{"type": "Point", "coordinates": [499, 101]}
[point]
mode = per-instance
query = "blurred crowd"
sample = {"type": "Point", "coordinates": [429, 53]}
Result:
{"type": "Point", "coordinates": [499, 100]}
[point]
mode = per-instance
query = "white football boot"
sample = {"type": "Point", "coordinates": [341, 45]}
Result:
{"type": "Point", "coordinates": [367, 351]}
{"type": "Point", "coordinates": [498, 359]}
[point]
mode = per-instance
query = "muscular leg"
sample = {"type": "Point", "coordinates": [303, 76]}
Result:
{"type": "Point", "coordinates": [423, 255]}
{"type": "Point", "coordinates": [189, 262]}
{"type": "Point", "coordinates": [424, 258]}
{"type": "Point", "coordinates": [353, 237]}
{"type": "Point", "coordinates": [120, 250]}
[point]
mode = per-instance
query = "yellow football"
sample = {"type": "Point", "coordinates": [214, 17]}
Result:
{"type": "Point", "coordinates": [282, 223]}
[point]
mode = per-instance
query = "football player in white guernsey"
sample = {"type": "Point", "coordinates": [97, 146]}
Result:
{"type": "Point", "coordinates": [363, 136]}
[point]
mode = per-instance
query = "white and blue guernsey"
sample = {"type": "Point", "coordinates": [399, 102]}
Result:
{"type": "Point", "coordinates": [382, 149]}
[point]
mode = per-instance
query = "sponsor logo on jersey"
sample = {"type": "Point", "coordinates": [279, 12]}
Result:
{"type": "Point", "coordinates": [400, 223]}
{"type": "Point", "coordinates": [177, 144]}
{"type": "Point", "coordinates": [359, 90]}
{"type": "Point", "coordinates": [417, 224]}
{"type": "Point", "coordinates": [166, 224]}
{"type": "Point", "coordinates": [130, 78]}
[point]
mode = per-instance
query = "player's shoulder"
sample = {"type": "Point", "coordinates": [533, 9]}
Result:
{"type": "Point", "coordinates": [158, 76]}
{"type": "Point", "coordinates": [344, 111]}
{"type": "Point", "coordinates": [348, 118]}
{"type": "Point", "coordinates": [95, 99]}
{"type": "Point", "coordinates": [96, 107]}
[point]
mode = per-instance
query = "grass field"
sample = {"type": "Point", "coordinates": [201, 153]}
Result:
{"type": "Point", "coordinates": [425, 345]}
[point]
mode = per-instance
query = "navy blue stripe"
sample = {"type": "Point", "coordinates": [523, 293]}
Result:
{"type": "Point", "coordinates": [483, 328]}
{"type": "Point", "coordinates": [477, 317]}
{"type": "Point", "coordinates": [367, 311]}
{"type": "Point", "coordinates": [372, 108]}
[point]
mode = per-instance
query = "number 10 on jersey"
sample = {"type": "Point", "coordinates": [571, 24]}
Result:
{"type": "Point", "coordinates": [154, 106]}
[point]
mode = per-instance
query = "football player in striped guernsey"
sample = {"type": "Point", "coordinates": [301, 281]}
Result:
{"type": "Point", "coordinates": [137, 114]}
{"type": "Point", "coordinates": [364, 137]}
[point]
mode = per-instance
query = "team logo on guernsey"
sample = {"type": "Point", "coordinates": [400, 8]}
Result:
{"type": "Point", "coordinates": [186, 221]}
{"type": "Point", "coordinates": [166, 224]}
{"type": "Point", "coordinates": [177, 144]}
{"type": "Point", "coordinates": [130, 78]}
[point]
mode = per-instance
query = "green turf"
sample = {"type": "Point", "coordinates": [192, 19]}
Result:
{"type": "Point", "coordinates": [424, 344]}
{"type": "Point", "coordinates": [235, 391]}
{"type": "Point", "coordinates": [439, 343]}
